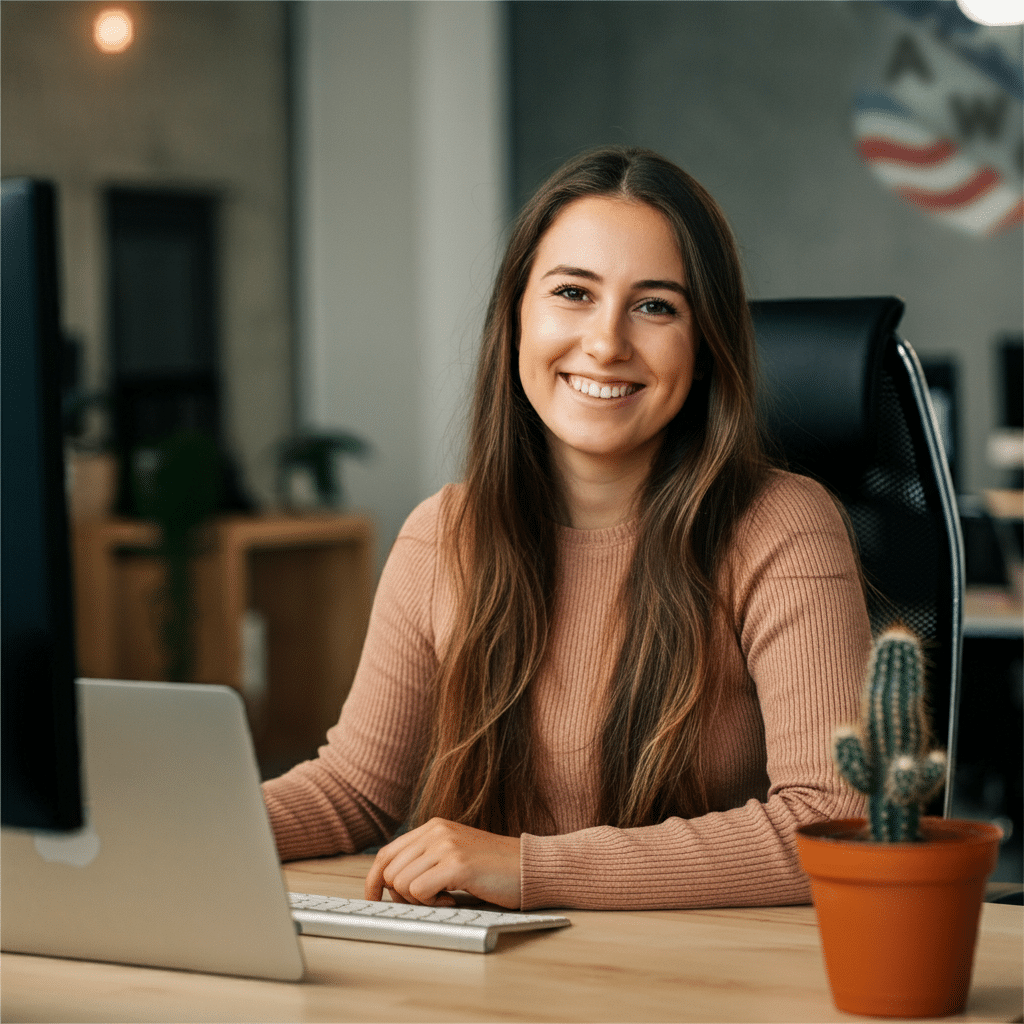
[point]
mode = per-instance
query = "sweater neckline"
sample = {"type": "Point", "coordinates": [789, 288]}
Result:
{"type": "Point", "coordinates": [607, 536]}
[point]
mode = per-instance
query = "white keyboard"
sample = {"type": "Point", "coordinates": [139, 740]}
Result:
{"type": "Point", "coordinates": [444, 927]}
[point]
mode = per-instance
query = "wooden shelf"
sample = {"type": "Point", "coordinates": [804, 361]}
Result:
{"type": "Point", "coordinates": [309, 577]}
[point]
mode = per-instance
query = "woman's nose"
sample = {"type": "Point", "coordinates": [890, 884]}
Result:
{"type": "Point", "coordinates": [607, 338]}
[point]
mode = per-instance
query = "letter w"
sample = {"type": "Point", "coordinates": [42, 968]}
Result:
{"type": "Point", "coordinates": [979, 114]}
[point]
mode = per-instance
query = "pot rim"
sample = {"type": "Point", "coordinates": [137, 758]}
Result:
{"type": "Point", "coordinates": [853, 832]}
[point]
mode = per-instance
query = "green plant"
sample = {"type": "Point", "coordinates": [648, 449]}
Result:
{"type": "Point", "coordinates": [317, 452]}
{"type": "Point", "coordinates": [181, 493]}
{"type": "Point", "coordinates": [887, 756]}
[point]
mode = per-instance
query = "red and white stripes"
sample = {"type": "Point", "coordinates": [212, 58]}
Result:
{"type": "Point", "coordinates": [932, 172]}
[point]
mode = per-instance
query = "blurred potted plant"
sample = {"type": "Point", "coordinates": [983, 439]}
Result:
{"type": "Point", "coordinates": [180, 489]}
{"type": "Point", "coordinates": [898, 895]}
{"type": "Point", "coordinates": [308, 467]}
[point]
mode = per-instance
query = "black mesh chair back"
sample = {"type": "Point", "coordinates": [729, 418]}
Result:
{"type": "Point", "coordinates": [845, 401]}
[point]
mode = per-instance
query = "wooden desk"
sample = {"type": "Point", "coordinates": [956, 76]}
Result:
{"type": "Point", "coordinates": [992, 612]}
{"type": "Point", "coordinates": [310, 578]}
{"type": "Point", "coordinates": [715, 965]}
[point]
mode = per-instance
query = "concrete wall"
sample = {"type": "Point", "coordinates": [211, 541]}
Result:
{"type": "Point", "coordinates": [401, 200]}
{"type": "Point", "coordinates": [198, 101]}
{"type": "Point", "coordinates": [755, 100]}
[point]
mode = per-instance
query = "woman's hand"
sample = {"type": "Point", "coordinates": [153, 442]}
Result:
{"type": "Point", "coordinates": [424, 865]}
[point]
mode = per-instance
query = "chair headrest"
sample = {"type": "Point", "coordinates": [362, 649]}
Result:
{"type": "Point", "coordinates": [820, 365]}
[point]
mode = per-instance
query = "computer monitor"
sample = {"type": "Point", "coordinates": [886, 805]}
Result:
{"type": "Point", "coordinates": [1011, 372]}
{"type": "Point", "coordinates": [940, 374]}
{"type": "Point", "coordinates": [39, 749]}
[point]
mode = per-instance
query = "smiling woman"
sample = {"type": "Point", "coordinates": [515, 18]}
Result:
{"type": "Point", "coordinates": [603, 670]}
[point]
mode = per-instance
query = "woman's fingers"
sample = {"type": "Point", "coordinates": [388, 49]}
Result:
{"type": "Point", "coordinates": [414, 875]}
{"type": "Point", "coordinates": [375, 885]}
{"type": "Point", "coordinates": [389, 869]}
{"type": "Point", "coordinates": [423, 880]}
{"type": "Point", "coordinates": [424, 864]}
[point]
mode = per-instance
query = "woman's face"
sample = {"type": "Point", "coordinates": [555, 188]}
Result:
{"type": "Point", "coordinates": [606, 343]}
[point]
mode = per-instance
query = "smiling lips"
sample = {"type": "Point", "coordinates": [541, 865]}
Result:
{"type": "Point", "coordinates": [586, 386]}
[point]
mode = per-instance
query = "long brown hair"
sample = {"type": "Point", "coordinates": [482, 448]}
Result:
{"type": "Point", "coordinates": [480, 768]}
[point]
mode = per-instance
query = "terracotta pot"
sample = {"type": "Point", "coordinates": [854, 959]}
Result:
{"type": "Point", "coordinates": [898, 920]}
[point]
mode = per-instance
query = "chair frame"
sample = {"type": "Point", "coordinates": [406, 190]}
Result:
{"type": "Point", "coordinates": [951, 517]}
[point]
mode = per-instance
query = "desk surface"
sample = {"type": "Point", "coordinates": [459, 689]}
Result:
{"type": "Point", "coordinates": [992, 612]}
{"type": "Point", "coordinates": [716, 965]}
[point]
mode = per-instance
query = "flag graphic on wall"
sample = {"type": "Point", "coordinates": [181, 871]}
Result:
{"type": "Point", "coordinates": [942, 128]}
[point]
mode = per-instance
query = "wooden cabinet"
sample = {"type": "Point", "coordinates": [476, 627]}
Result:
{"type": "Point", "coordinates": [309, 578]}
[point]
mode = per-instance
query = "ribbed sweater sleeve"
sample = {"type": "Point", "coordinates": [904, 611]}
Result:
{"type": "Point", "coordinates": [801, 623]}
{"type": "Point", "coordinates": [357, 791]}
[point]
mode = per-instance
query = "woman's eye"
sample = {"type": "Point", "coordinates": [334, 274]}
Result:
{"type": "Point", "coordinates": [571, 292]}
{"type": "Point", "coordinates": [657, 307]}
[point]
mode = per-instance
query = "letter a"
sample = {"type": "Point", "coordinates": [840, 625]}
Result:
{"type": "Point", "coordinates": [907, 58]}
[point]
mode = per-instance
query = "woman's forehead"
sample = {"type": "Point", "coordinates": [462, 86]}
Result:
{"type": "Point", "coordinates": [606, 234]}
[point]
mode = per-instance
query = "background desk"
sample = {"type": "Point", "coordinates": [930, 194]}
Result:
{"type": "Point", "coordinates": [310, 578]}
{"type": "Point", "coordinates": [715, 965]}
{"type": "Point", "coordinates": [992, 612]}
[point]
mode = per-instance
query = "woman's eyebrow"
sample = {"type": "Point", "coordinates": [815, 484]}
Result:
{"type": "Point", "coordinates": [572, 272]}
{"type": "Point", "coordinates": [589, 275]}
{"type": "Point", "coordinates": [672, 286]}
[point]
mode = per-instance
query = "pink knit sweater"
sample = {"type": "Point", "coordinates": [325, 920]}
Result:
{"type": "Point", "coordinates": [791, 663]}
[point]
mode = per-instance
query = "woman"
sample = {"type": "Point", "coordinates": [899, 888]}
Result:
{"type": "Point", "coordinates": [603, 671]}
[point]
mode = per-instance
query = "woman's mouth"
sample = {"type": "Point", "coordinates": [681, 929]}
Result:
{"type": "Point", "coordinates": [597, 389]}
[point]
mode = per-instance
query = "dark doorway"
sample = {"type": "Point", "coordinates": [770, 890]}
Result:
{"type": "Point", "coordinates": [163, 320]}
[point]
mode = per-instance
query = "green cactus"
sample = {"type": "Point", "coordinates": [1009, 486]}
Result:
{"type": "Point", "coordinates": [887, 757]}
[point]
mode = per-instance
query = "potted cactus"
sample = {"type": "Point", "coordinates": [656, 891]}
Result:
{"type": "Point", "coordinates": [897, 895]}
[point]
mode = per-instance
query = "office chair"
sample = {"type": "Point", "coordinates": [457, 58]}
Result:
{"type": "Point", "coordinates": [844, 400]}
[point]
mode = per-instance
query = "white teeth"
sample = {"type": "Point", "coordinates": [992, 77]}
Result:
{"type": "Point", "coordinates": [595, 390]}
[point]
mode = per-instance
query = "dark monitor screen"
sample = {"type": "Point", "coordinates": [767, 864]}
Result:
{"type": "Point", "coordinates": [39, 750]}
{"type": "Point", "coordinates": [1011, 358]}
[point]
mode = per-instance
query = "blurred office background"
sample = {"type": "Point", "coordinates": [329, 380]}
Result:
{"type": "Point", "coordinates": [360, 162]}
{"type": "Point", "coordinates": [349, 170]}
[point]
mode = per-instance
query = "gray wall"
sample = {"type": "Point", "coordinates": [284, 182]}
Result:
{"type": "Point", "coordinates": [755, 100]}
{"type": "Point", "coordinates": [401, 201]}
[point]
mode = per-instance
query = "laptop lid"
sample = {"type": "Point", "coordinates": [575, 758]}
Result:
{"type": "Point", "coordinates": [176, 865]}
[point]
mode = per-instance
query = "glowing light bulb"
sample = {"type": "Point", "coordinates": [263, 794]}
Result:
{"type": "Point", "coordinates": [993, 12]}
{"type": "Point", "coordinates": [112, 31]}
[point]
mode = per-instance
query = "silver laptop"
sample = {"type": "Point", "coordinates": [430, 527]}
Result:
{"type": "Point", "coordinates": [176, 866]}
